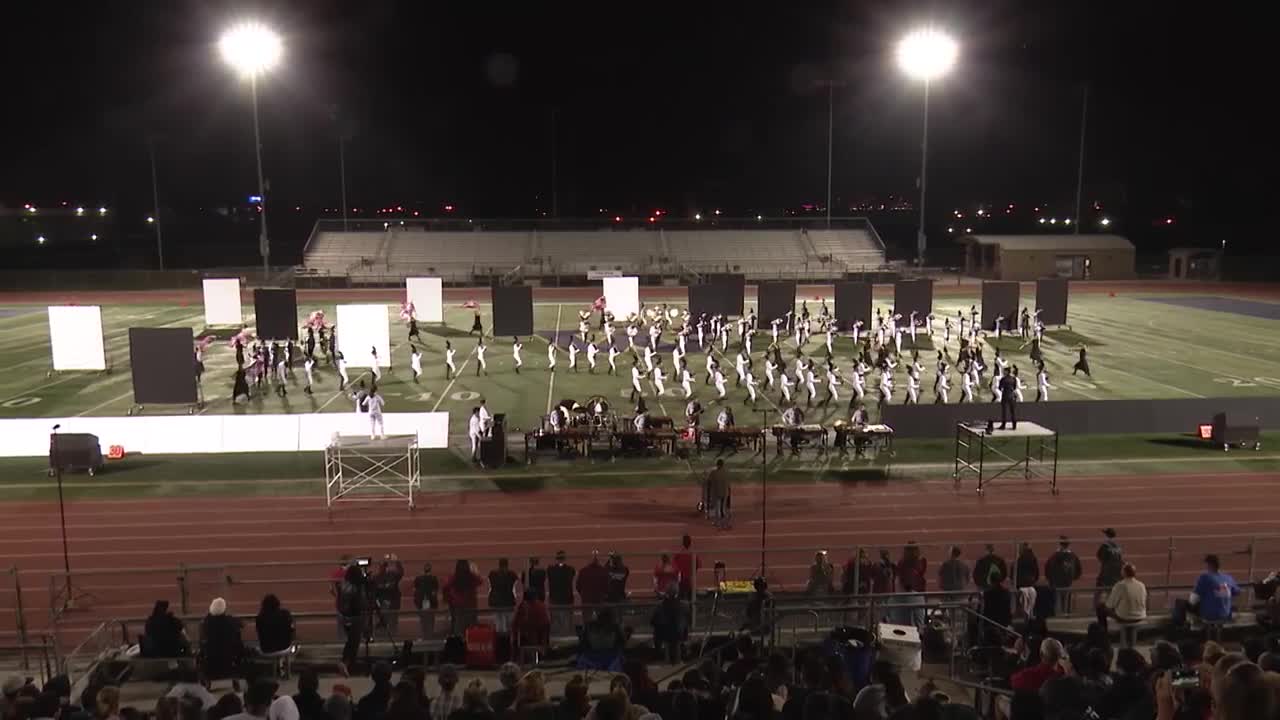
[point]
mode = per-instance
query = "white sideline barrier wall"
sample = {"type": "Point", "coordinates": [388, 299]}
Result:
{"type": "Point", "coordinates": [187, 434]}
{"type": "Point", "coordinates": [222, 302]}
{"type": "Point", "coordinates": [75, 337]}
{"type": "Point", "coordinates": [427, 296]}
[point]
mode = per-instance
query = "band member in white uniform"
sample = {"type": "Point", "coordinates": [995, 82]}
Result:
{"type": "Point", "coordinates": [701, 329]}
{"type": "Point", "coordinates": [685, 380]}
{"type": "Point", "coordinates": [481, 365]}
{"type": "Point", "coordinates": [677, 357]}
{"type": "Point", "coordinates": [583, 329]}
{"type": "Point", "coordinates": [740, 367]}
{"type": "Point", "coordinates": [751, 387]}
{"type": "Point", "coordinates": [374, 404]}
{"type": "Point", "coordinates": [573, 356]}
{"type": "Point", "coordinates": [833, 381]}
{"type": "Point", "coordinates": [929, 327]}
{"type": "Point", "coordinates": [897, 340]}
{"type": "Point", "coordinates": [995, 385]}
{"type": "Point", "coordinates": [810, 383]}
{"type": "Point", "coordinates": [592, 350]}
{"type": "Point", "coordinates": [608, 332]}
{"type": "Point", "coordinates": [831, 330]}
{"type": "Point", "coordinates": [309, 364]}
{"type": "Point", "coordinates": [1042, 385]}
{"type": "Point", "coordinates": [857, 332]}
{"type": "Point", "coordinates": [682, 339]}
{"type": "Point", "coordinates": [999, 326]}
{"type": "Point", "coordinates": [636, 390]}
{"type": "Point", "coordinates": [342, 370]}
{"type": "Point", "coordinates": [913, 386]}
{"type": "Point", "coordinates": [773, 328]}
{"type": "Point", "coordinates": [475, 431]}
{"type": "Point", "coordinates": [724, 336]}
{"type": "Point", "coordinates": [632, 331]}
{"type": "Point", "coordinates": [784, 381]}
{"type": "Point", "coordinates": [946, 330]}
{"type": "Point", "coordinates": [724, 420]}
{"type": "Point", "coordinates": [941, 384]}
{"type": "Point", "coordinates": [282, 375]}
{"type": "Point", "coordinates": [655, 332]}
{"type": "Point", "coordinates": [551, 356]}
{"type": "Point", "coordinates": [711, 368]}
{"type": "Point", "coordinates": [860, 382]}
{"type": "Point", "coordinates": [912, 327]}
{"type": "Point", "coordinates": [746, 340]}
{"type": "Point", "coordinates": [516, 347]}
{"type": "Point", "coordinates": [415, 363]}
{"type": "Point", "coordinates": [1017, 391]}
{"type": "Point", "coordinates": [659, 380]}
{"type": "Point", "coordinates": [966, 387]}
{"type": "Point", "coordinates": [648, 357]}
{"type": "Point", "coordinates": [719, 383]}
{"type": "Point", "coordinates": [770, 367]}
{"type": "Point", "coordinates": [886, 386]}
{"type": "Point", "coordinates": [451, 370]}
{"type": "Point", "coordinates": [613, 359]}
{"type": "Point", "coordinates": [374, 364]}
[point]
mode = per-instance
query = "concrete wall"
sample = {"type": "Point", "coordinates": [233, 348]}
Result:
{"type": "Point", "coordinates": [1108, 264]}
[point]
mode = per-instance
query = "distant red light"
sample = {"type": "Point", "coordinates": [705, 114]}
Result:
{"type": "Point", "coordinates": [415, 213]}
{"type": "Point", "coordinates": [1168, 221]}
{"type": "Point", "coordinates": [617, 218]}
{"type": "Point", "coordinates": [448, 208]}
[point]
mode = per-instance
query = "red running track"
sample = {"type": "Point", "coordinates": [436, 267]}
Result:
{"type": "Point", "coordinates": [128, 537]}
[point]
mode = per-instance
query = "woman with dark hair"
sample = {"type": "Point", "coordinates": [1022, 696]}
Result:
{"type": "Point", "coordinates": [274, 624]}
{"type": "Point", "coordinates": [576, 702]}
{"type": "Point", "coordinates": [164, 635]}
{"type": "Point", "coordinates": [461, 590]}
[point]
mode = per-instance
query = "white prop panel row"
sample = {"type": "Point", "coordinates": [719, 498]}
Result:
{"type": "Point", "coordinates": [75, 337]}
{"type": "Point", "coordinates": [187, 434]}
{"type": "Point", "coordinates": [621, 295]}
{"type": "Point", "coordinates": [222, 302]}
{"type": "Point", "coordinates": [361, 328]}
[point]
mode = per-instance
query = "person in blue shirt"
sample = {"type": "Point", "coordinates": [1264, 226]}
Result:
{"type": "Point", "coordinates": [1213, 592]}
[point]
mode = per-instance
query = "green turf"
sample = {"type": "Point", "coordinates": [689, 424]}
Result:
{"type": "Point", "coordinates": [1138, 350]}
{"type": "Point", "coordinates": [267, 474]}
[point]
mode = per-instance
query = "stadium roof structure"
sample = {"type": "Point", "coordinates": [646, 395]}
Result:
{"type": "Point", "coordinates": [1050, 242]}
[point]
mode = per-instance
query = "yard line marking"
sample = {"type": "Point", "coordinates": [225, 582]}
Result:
{"type": "Point", "coordinates": [106, 403]}
{"type": "Point", "coordinates": [341, 393]}
{"type": "Point", "coordinates": [444, 393]}
{"type": "Point", "coordinates": [551, 385]}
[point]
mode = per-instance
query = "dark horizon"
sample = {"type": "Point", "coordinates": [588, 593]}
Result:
{"type": "Point", "coordinates": [685, 110]}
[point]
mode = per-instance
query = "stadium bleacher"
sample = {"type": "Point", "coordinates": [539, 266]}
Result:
{"type": "Point", "coordinates": [463, 256]}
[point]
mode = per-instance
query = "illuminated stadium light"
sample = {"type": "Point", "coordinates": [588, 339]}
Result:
{"type": "Point", "coordinates": [251, 48]}
{"type": "Point", "coordinates": [697, 216]}
{"type": "Point", "coordinates": [1043, 221]}
{"type": "Point", "coordinates": [79, 211]}
{"type": "Point", "coordinates": [717, 212]}
{"type": "Point", "coordinates": [927, 53]}
{"type": "Point", "coordinates": [150, 219]}
{"type": "Point", "coordinates": [93, 236]}
{"type": "Point", "coordinates": [1067, 221]}
{"type": "Point", "coordinates": [40, 239]}
{"type": "Point", "coordinates": [759, 217]}
{"type": "Point", "coordinates": [1053, 221]}
{"type": "Point", "coordinates": [102, 211]}
{"type": "Point", "coordinates": [1104, 221]}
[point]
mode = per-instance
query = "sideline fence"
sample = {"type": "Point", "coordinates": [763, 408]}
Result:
{"type": "Point", "coordinates": [1168, 564]}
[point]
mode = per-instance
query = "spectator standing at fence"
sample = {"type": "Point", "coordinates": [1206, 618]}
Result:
{"type": "Point", "coordinates": [953, 573]}
{"type": "Point", "coordinates": [387, 590]}
{"type": "Point", "coordinates": [560, 592]}
{"type": "Point", "coordinates": [426, 600]}
{"type": "Point", "coordinates": [164, 635]}
{"type": "Point", "coordinates": [1110, 560]}
{"type": "Point", "coordinates": [686, 564]}
{"type": "Point", "coordinates": [462, 591]}
{"type": "Point", "coordinates": [669, 625]}
{"type": "Point", "coordinates": [274, 625]}
{"type": "Point", "coordinates": [1027, 567]}
{"type": "Point", "coordinates": [502, 594]}
{"type": "Point", "coordinates": [912, 580]}
{"type": "Point", "coordinates": [535, 578]}
{"type": "Point", "coordinates": [1062, 570]}
{"type": "Point", "coordinates": [821, 575]}
{"type": "Point", "coordinates": [351, 610]}
{"type": "Point", "coordinates": [618, 574]}
{"type": "Point", "coordinates": [665, 575]}
{"type": "Point", "coordinates": [988, 567]}
{"type": "Point", "coordinates": [593, 582]}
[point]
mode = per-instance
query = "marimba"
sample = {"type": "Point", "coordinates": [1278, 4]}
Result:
{"type": "Point", "coordinates": [734, 438]}
{"type": "Point", "coordinates": [577, 438]}
{"type": "Point", "coordinates": [798, 435]}
{"type": "Point", "coordinates": [631, 441]}
{"type": "Point", "coordinates": [879, 437]}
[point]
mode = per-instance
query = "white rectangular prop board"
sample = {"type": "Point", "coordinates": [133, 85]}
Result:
{"type": "Point", "coordinates": [361, 328]}
{"type": "Point", "coordinates": [427, 296]}
{"type": "Point", "coordinates": [75, 336]}
{"type": "Point", "coordinates": [622, 296]}
{"type": "Point", "coordinates": [222, 301]}
{"type": "Point", "coordinates": [186, 434]}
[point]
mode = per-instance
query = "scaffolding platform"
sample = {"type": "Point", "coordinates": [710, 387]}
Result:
{"type": "Point", "coordinates": [360, 469]}
{"type": "Point", "coordinates": [986, 452]}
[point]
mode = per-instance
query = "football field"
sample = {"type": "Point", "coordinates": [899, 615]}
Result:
{"type": "Point", "coordinates": [1152, 345]}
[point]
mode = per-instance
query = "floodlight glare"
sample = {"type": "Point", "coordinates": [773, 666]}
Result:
{"type": "Point", "coordinates": [251, 48]}
{"type": "Point", "coordinates": [927, 53]}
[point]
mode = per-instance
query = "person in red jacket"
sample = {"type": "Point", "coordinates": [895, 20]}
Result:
{"type": "Point", "coordinates": [593, 582]}
{"type": "Point", "coordinates": [531, 626]}
{"type": "Point", "coordinates": [912, 579]}
{"type": "Point", "coordinates": [686, 565]}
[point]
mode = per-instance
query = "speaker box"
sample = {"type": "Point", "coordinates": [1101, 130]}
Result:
{"type": "Point", "coordinates": [493, 449]}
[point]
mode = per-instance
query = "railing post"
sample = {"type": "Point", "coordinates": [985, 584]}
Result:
{"type": "Point", "coordinates": [1253, 559]}
{"type": "Point", "coordinates": [1168, 573]}
{"type": "Point", "coordinates": [20, 617]}
{"type": "Point", "coordinates": [183, 590]}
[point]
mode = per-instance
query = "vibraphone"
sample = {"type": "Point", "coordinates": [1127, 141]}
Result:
{"type": "Point", "coordinates": [577, 439]}
{"type": "Point", "coordinates": [800, 435]}
{"type": "Point", "coordinates": [630, 441]}
{"type": "Point", "coordinates": [734, 438]}
{"type": "Point", "coordinates": [879, 437]}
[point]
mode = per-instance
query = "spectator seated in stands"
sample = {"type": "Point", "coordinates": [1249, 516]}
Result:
{"type": "Point", "coordinates": [257, 701]}
{"type": "Point", "coordinates": [450, 698]}
{"type": "Point", "coordinates": [885, 694]}
{"type": "Point", "coordinates": [475, 703]}
{"type": "Point", "coordinates": [759, 615]}
{"type": "Point", "coordinates": [164, 635]}
{"type": "Point", "coordinates": [406, 702]}
{"type": "Point", "coordinates": [602, 642]}
{"type": "Point", "coordinates": [274, 625]}
{"type": "Point", "coordinates": [373, 706]}
{"type": "Point", "coordinates": [1127, 602]}
{"type": "Point", "coordinates": [669, 629]}
{"type": "Point", "coordinates": [308, 700]}
{"type": "Point", "coordinates": [505, 696]}
{"type": "Point", "coordinates": [576, 702]}
{"type": "Point", "coordinates": [221, 644]}
{"type": "Point", "coordinates": [531, 699]}
{"type": "Point", "coordinates": [531, 626]}
{"type": "Point", "coordinates": [1031, 679]}
{"type": "Point", "coordinates": [1130, 687]}
{"type": "Point", "coordinates": [747, 662]}
{"type": "Point", "coordinates": [1212, 595]}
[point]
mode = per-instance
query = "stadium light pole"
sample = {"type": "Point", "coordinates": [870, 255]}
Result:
{"type": "Point", "coordinates": [252, 49]}
{"type": "Point", "coordinates": [925, 54]}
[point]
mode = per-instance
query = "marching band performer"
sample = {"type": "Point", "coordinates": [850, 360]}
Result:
{"type": "Point", "coordinates": [516, 347]}
{"type": "Point", "coordinates": [784, 381]}
{"type": "Point", "coordinates": [481, 365]}
{"type": "Point", "coordinates": [573, 355]}
{"type": "Point", "coordinates": [685, 380]}
{"type": "Point", "coordinates": [415, 364]}
{"type": "Point", "coordinates": [551, 356]}
{"type": "Point", "coordinates": [613, 359]}
{"type": "Point", "coordinates": [719, 383]}
{"type": "Point", "coordinates": [451, 370]}
{"type": "Point", "coordinates": [592, 351]}
{"type": "Point", "coordinates": [636, 374]}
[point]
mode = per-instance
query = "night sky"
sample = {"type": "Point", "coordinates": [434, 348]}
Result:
{"type": "Point", "coordinates": [683, 106]}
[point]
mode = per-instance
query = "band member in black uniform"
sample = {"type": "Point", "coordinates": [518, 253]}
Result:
{"type": "Point", "coordinates": [311, 341]}
{"type": "Point", "coordinates": [476, 327]}
{"type": "Point", "coordinates": [1082, 363]}
{"type": "Point", "coordinates": [413, 329]}
{"type": "Point", "coordinates": [1008, 400]}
